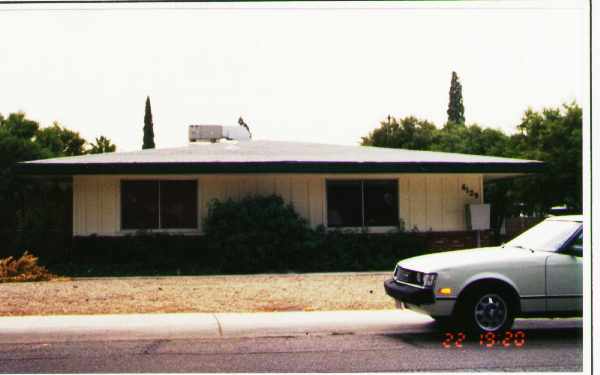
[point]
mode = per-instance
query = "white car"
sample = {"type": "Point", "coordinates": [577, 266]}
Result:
{"type": "Point", "coordinates": [537, 274]}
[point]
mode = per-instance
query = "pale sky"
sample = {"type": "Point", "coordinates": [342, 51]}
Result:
{"type": "Point", "coordinates": [324, 72]}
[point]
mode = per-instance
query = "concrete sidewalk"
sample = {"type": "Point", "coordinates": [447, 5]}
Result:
{"type": "Point", "coordinates": [203, 325]}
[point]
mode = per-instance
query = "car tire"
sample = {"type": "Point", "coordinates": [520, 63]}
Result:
{"type": "Point", "coordinates": [487, 310]}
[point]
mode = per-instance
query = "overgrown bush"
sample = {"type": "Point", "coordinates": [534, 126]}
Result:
{"type": "Point", "coordinates": [25, 268]}
{"type": "Point", "coordinates": [143, 253]}
{"type": "Point", "coordinates": [337, 250]}
{"type": "Point", "coordinates": [263, 234]}
{"type": "Point", "coordinates": [257, 234]}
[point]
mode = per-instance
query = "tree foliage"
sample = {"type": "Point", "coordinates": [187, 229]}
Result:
{"type": "Point", "coordinates": [16, 144]}
{"type": "Point", "coordinates": [148, 127]}
{"type": "Point", "coordinates": [456, 109]}
{"type": "Point", "coordinates": [102, 145]}
{"type": "Point", "coordinates": [60, 141]}
{"type": "Point", "coordinates": [40, 206]}
{"type": "Point", "coordinates": [552, 135]}
{"type": "Point", "coordinates": [17, 125]}
{"type": "Point", "coordinates": [471, 139]}
{"type": "Point", "coordinates": [409, 133]}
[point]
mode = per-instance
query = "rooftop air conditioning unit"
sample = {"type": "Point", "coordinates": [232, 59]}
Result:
{"type": "Point", "coordinates": [209, 133]}
{"type": "Point", "coordinates": [213, 133]}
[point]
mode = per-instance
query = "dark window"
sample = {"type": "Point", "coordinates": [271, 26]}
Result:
{"type": "Point", "coordinates": [344, 201]}
{"type": "Point", "coordinates": [159, 204]}
{"type": "Point", "coordinates": [139, 204]}
{"type": "Point", "coordinates": [178, 204]}
{"type": "Point", "coordinates": [381, 203]}
{"type": "Point", "coordinates": [362, 203]}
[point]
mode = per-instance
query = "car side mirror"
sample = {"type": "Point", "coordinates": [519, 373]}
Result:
{"type": "Point", "coordinates": [576, 250]}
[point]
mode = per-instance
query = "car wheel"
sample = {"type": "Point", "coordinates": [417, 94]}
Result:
{"type": "Point", "coordinates": [488, 311]}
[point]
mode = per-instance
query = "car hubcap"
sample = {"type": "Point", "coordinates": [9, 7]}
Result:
{"type": "Point", "coordinates": [490, 312]}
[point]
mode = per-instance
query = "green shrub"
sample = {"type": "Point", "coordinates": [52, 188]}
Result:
{"type": "Point", "coordinates": [263, 234]}
{"type": "Point", "coordinates": [338, 250]}
{"type": "Point", "coordinates": [258, 234]}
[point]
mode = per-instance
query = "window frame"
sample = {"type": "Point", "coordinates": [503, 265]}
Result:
{"type": "Point", "coordinates": [158, 179]}
{"type": "Point", "coordinates": [362, 180]}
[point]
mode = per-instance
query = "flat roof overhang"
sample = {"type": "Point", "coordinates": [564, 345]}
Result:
{"type": "Point", "coordinates": [170, 168]}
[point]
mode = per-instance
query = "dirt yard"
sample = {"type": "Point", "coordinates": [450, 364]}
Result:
{"type": "Point", "coordinates": [240, 293]}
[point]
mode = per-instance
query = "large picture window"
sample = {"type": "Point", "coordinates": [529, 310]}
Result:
{"type": "Point", "coordinates": [358, 203]}
{"type": "Point", "coordinates": [168, 204]}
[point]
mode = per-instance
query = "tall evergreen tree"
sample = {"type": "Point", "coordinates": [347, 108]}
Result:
{"type": "Point", "coordinates": [148, 127]}
{"type": "Point", "coordinates": [456, 109]}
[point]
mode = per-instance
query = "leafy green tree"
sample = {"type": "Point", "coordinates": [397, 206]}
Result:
{"type": "Point", "coordinates": [102, 145]}
{"type": "Point", "coordinates": [471, 139]}
{"type": "Point", "coordinates": [409, 133]}
{"type": "Point", "coordinates": [35, 213]}
{"type": "Point", "coordinates": [17, 143]}
{"type": "Point", "coordinates": [456, 109]}
{"type": "Point", "coordinates": [553, 135]}
{"type": "Point", "coordinates": [18, 126]}
{"type": "Point", "coordinates": [415, 134]}
{"type": "Point", "coordinates": [148, 127]}
{"type": "Point", "coordinates": [61, 141]}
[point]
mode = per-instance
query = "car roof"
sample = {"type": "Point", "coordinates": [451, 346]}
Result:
{"type": "Point", "coordinates": [567, 218]}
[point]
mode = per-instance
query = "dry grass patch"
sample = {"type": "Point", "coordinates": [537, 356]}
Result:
{"type": "Point", "coordinates": [239, 293]}
{"type": "Point", "coordinates": [25, 268]}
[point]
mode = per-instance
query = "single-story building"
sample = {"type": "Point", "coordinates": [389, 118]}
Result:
{"type": "Point", "coordinates": [168, 190]}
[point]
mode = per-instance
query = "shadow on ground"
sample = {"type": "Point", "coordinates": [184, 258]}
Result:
{"type": "Point", "coordinates": [525, 333]}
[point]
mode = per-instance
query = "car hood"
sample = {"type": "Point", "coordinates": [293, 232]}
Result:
{"type": "Point", "coordinates": [467, 258]}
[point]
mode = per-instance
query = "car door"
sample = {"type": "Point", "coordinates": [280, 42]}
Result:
{"type": "Point", "coordinates": [564, 278]}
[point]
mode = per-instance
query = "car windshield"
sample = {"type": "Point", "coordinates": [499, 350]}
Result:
{"type": "Point", "coordinates": [548, 235]}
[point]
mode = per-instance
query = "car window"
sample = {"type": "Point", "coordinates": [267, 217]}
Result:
{"type": "Point", "coordinates": [549, 235]}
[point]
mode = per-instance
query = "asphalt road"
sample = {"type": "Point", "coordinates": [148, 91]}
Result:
{"type": "Point", "coordinates": [544, 347]}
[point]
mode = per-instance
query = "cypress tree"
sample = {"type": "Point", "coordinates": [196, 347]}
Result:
{"type": "Point", "coordinates": [148, 127]}
{"type": "Point", "coordinates": [456, 109]}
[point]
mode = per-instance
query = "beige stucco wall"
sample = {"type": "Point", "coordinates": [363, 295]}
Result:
{"type": "Point", "coordinates": [426, 201]}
